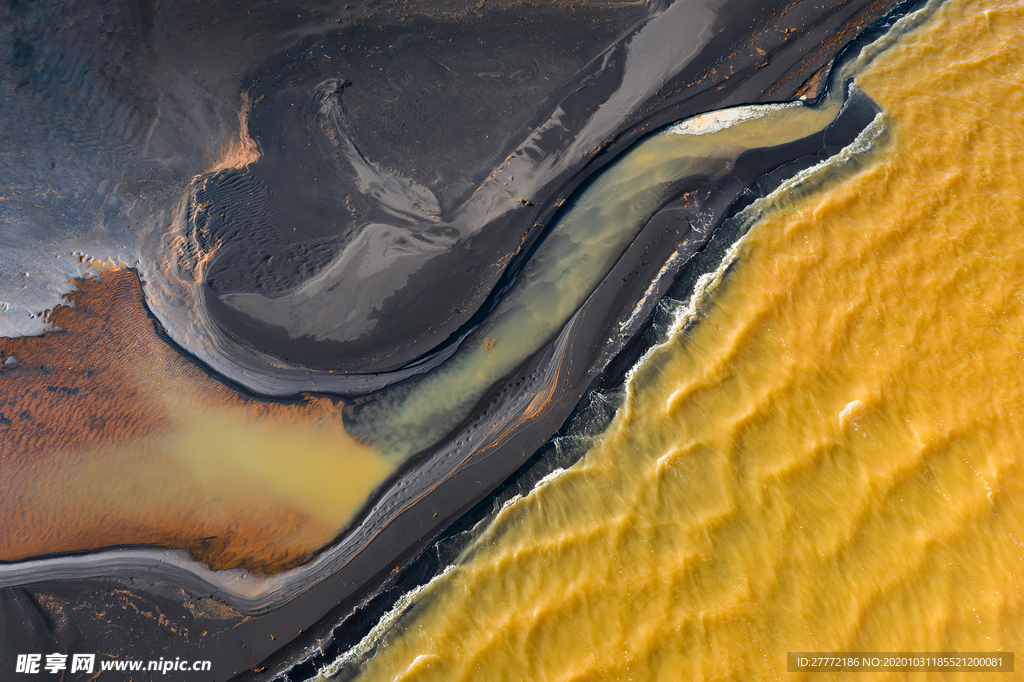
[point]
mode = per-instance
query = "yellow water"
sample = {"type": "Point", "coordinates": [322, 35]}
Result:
{"type": "Point", "coordinates": [828, 459]}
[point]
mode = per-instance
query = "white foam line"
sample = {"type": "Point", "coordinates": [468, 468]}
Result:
{"type": "Point", "coordinates": [378, 631]}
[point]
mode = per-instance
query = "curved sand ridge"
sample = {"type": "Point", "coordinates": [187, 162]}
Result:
{"type": "Point", "coordinates": [334, 331]}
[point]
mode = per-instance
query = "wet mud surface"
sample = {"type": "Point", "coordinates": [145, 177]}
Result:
{"type": "Point", "coordinates": [255, 230]}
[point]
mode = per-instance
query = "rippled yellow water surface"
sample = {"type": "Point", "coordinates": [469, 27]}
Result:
{"type": "Point", "coordinates": [828, 459]}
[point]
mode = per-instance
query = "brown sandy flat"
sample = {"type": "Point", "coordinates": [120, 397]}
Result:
{"type": "Point", "coordinates": [102, 422]}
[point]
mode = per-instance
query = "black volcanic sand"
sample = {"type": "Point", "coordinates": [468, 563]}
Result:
{"type": "Point", "coordinates": [136, 617]}
{"type": "Point", "coordinates": [391, 126]}
{"type": "Point", "coordinates": [110, 107]}
{"type": "Point", "coordinates": [377, 140]}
